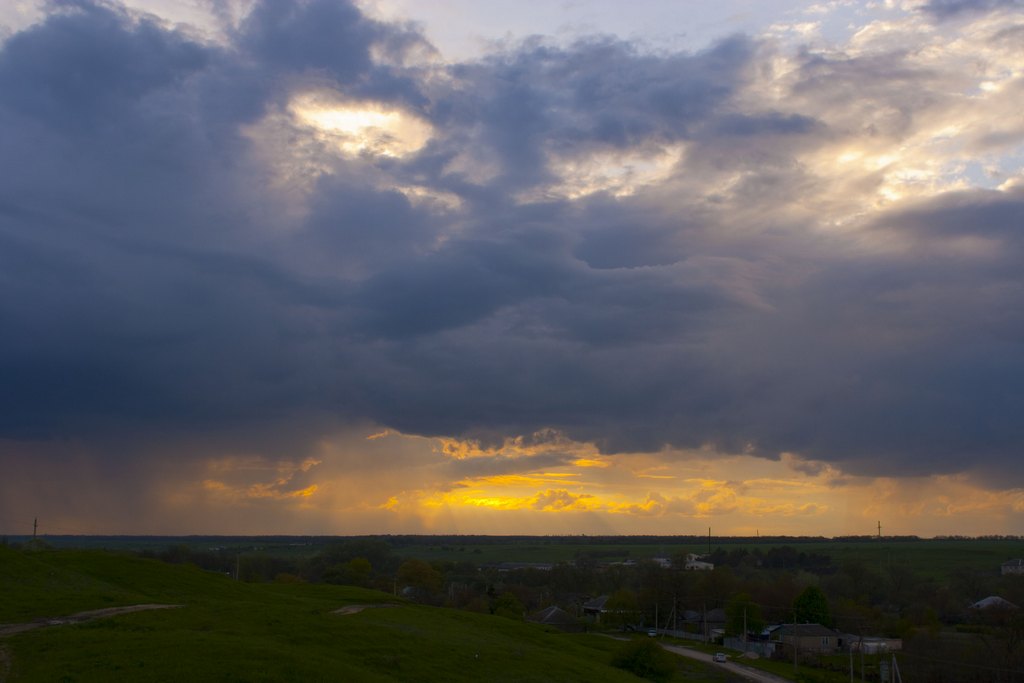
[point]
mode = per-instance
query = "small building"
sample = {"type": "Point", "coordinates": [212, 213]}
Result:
{"type": "Point", "coordinates": [1012, 567]}
{"type": "Point", "coordinates": [810, 638]}
{"type": "Point", "coordinates": [694, 563]}
{"type": "Point", "coordinates": [993, 602]}
{"type": "Point", "coordinates": [705, 622]}
{"type": "Point", "coordinates": [558, 618]}
{"type": "Point", "coordinates": [873, 645]}
{"type": "Point", "coordinates": [516, 566]}
{"type": "Point", "coordinates": [595, 608]}
{"type": "Point", "coordinates": [597, 611]}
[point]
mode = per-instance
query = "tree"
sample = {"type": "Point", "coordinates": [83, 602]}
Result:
{"type": "Point", "coordinates": [811, 607]}
{"type": "Point", "coordinates": [508, 605]}
{"type": "Point", "coordinates": [741, 611]}
{"type": "Point", "coordinates": [420, 575]}
{"type": "Point", "coordinates": [645, 658]}
{"type": "Point", "coordinates": [622, 608]}
{"type": "Point", "coordinates": [358, 571]}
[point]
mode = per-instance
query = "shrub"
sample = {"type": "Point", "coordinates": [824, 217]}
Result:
{"type": "Point", "coordinates": [645, 658]}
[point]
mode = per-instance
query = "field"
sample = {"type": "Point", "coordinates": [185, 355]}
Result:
{"type": "Point", "coordinates": [928, 558]}
{"type": "Point", "coordinates": [234, 631]}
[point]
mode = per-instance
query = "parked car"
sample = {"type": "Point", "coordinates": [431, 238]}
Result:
{"type": "Point", "coordinates": [652, 632]}
{"type": "Point", "coordinates": [720, 657]}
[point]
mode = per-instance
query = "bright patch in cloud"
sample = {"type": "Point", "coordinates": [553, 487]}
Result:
{"type": "Point", "coordinates": [358, 128]}
{"type": "Point", "coordinates": [619, 173]}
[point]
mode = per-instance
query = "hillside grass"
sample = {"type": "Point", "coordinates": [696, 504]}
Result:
{"type": "Point", "coordinates": [232, 631]}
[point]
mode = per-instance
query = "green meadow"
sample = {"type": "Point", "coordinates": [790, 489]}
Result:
{"type": "Point", "coordinates": [234, 631]}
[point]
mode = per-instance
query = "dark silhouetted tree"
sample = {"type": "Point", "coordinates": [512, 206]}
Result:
{"type": "Point", "coordinates": [742, 610]}
{"type": "Point", "coordinates": [811, 607]}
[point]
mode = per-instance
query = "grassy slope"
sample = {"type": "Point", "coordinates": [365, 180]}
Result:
{"type": "Point", "coordinates": [229, 631]}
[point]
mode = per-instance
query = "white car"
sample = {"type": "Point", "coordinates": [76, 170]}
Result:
{"type": "Point", "coordinates": [720, 658]}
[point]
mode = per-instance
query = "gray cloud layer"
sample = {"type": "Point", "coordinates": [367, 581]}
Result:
{"type": "Point", "coordinates": [153, 282]}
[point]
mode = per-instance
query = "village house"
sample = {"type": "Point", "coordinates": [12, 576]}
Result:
{"type": "Point", "coordinates": [595, 608]}
{"type": "Point", "coordinates": [557, 617]}
{"type": "Point", "coordinates": [809, 638]}
{"type": "Point", "coordinates": [993, 602]}
{"type": "Point", "coordinates": [812, 639]}
{"type": "Point", "coordinates": [1013, 567]}
{"type": "Point", "coordinates": [694, 563]}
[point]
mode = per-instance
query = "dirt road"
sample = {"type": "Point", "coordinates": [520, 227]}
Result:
{"type": "Point", "coordinates": [11, 629]}
{"type": "Point", "coordinates": [78, 618]}
{"type": "Point", "coordinates": [356, 609]}
{"type": "Point", "coordinates": [738, 669]}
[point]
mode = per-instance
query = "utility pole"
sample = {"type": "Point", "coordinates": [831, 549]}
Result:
{"type": "Point", "coordinates": [796, 640]}
{"type": "Point", "coordinates": [674, 606]}
{"type": "Point", "coordinates": [879, 530]}
{"type": "Point", "coordinates": [709, 540]}
{"type": "Point", "coordinates": [35, 526]}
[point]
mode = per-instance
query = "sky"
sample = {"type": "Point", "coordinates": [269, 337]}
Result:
{"type": "Point", "coordinates": [322, 267]}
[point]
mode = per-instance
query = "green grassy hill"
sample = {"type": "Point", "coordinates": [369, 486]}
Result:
{"type": "Point", "coordinates": [231, 631]}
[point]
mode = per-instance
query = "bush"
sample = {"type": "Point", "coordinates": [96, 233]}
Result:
{"type": "Point", "coordinates": [645, 658]}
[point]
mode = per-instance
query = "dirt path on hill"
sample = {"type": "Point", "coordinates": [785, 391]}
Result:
{"type": "Point", "coordinates": [355, 609]}
{"type": "Point", "coordinates": [78, 618]}
{"type": "Point", "coordinates": [12, 629]}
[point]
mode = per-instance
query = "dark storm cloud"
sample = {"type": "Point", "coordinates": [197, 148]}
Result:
{"type": "Point", "coordinates": [603, 93]}
{"type": "Point", "coordinates": [131, 285]}
{"type": "Point", "coordinates": [497, 465]}
{"type": "Point", "coordinates": [765, 124]}
{"type": "Point", "coordinates": [83, 67]}
{"type": "Point", "coordinates": [152, 283]}
{"type": "Point", "coordinates": [944, 9]}
{"type": "Point", "coordinates": [328, 40]}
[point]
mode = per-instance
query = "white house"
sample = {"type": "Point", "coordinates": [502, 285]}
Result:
{"type": "Point", "coordinates": [993, 602]}
{"type": "Point", "coordinates": [1013, 567]}
{"type": "Point", "coordinates": [694, 563]}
